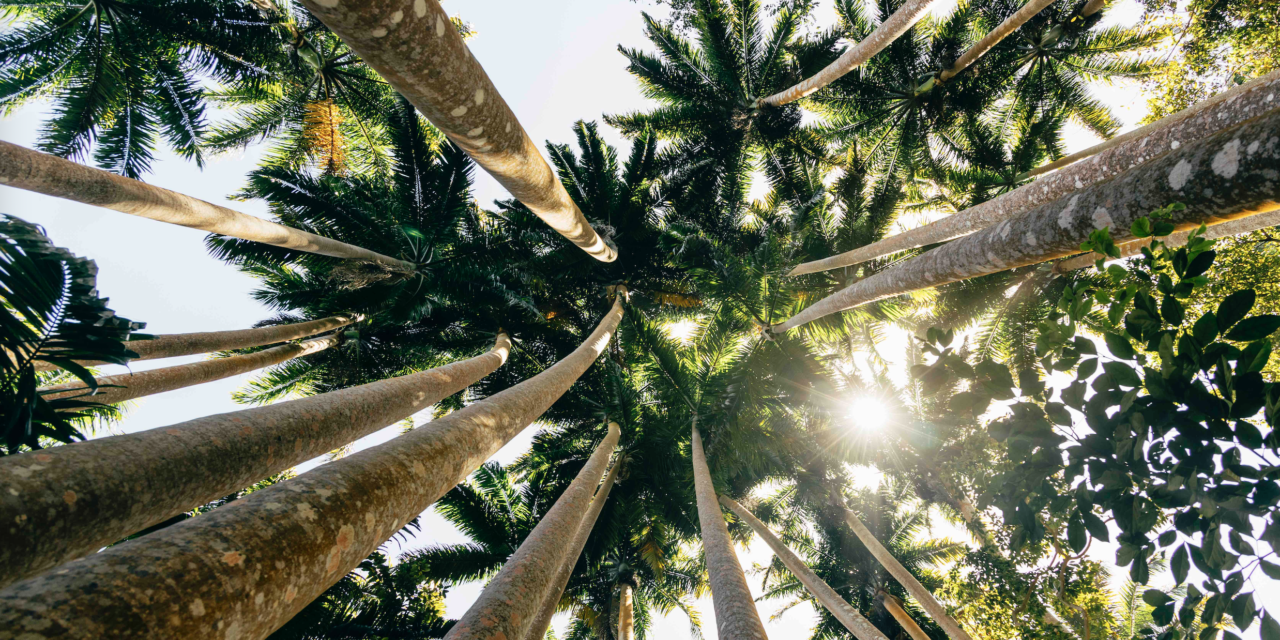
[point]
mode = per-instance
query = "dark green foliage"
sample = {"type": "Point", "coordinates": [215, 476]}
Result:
{"type": "Point", "coordinates": [52, 314]}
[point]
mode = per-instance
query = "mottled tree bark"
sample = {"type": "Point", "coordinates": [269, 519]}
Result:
{"type": "Point", "coordinates": [416, 49]}
{"type": "Point", "coordinates": [185, 344]}
{"type": "Point", "coordinates": [1011, 24]}
{"type": "Point", "coordinates": [736, 615]}
{"type": "Point", "coordinates": [67, 502]}
{"type": "Point", "coordinates": [243, 570]}
{"type": "Point", "coordinates": [509, 605]}
{"type": "Point", "coordinates": [1261, 220]}
{"type": "Point", "coordinates": [1109, 160]}
{"type": "Point", "coordinates": [884, 35]}
{"type": "Point", "coordinates": [626, 612]}
{"type": "Point", "coordinates": [54, 176]}
{"type": "Point", "coordinates": [1230, 175]}
{"type": "Point", "coordinates": [904, 577]}
{"type": "Point", "coordinates": [841, 610]}
{"type": "Point", "coordinates": [894, 607]}
{"type": "Point", "coordinates": [547, 610]}
{"type": "Point", "coordinates": [128, 386]}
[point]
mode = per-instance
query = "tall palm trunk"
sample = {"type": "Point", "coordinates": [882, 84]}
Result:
{"type": "Point", "coordinates": [894, 606]}
{"type": "Point", "coordinates": [87, 495]}
{"type": "Point", "coordinates": [1226, 176]}
{"type": "Point", "coordinates": [185, 344]}
{"type": "Point", "coordinates": [1113, 158]}
{"type": "Point", "coordinates": [127, 386]}
{"type": "Point", "coordinates": [859, 626]}
{"type": "Point", "coordinates": [54, 176]}
{"type": "Point", "coordinates": [251, 567]}
{"type": "Point", "coordinates": [508, 607]}
{"type": "Point", "coordinates": [626, 612]}
{"type": "Point", "coordinates": [900, 573]}
{"type": "Point", "coordinates": [1221, 230]}
{"type": "Point", "coordinates": [538, 630]}
{"type": "Point", "coordinates": [736, 615]}
{"type": "Point", "coordinates": [417, 50]}
{"type": "Point", "coordinates": [1011, 24]}
{"type": "Point", "coordinates": [884, 35]}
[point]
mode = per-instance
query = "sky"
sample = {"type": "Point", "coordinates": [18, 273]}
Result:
{"type": "Point", "coordinates": [554, 63]}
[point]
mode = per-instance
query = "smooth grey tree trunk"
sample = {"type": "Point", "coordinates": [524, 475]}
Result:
{"type": "Point", "coordinates": [416, 49]}
{"type": "Point", "coordinates": [244, 570]}
{"type": "Point", "coordinates": [72, 500]}
{"type": "Point", "coordinates": [841, 610]}
{"type": "Point", "coordinates": [894, 606]}
{"type": "Point", "coordinates": [53, 176]}
{"type": "Point", "coordinates": [508, 606]}
{"type": "Point", "coordinates": [128, 386]}
{"type": "Point", "coordinates": [1222, 230]}
{"type": "Point", "coordinates": [185, 344]}
{"type": "Point", "coordinates": [891, 29]}
{"type": "Point", "coordinates": [1109, 160]}
{"type": "Point", "coordinates": [551, 601]}
{"type": "Point", "coordinates": [904, 577]}
{"type": "Point", "coordinates": [1011, 24]}
{"type": "Point", "coordinates": [736, 615]}
{"type": "Point", "coordinates": [1223, 177]}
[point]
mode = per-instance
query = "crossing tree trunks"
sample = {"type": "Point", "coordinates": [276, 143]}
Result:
{"type": "Point", "coordinates": [1230, 175]}
{"type": "Point", "coordinates": [66, 502]}
{"type": "Point", "coordinates": [243, 570]}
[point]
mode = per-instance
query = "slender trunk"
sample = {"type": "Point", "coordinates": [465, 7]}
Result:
{"type": "Point", "coordinates": [53, 176]}
{"type": "Point", "coordinates": [1113, 158]}
{"type": "Point", "coordinates": [884, 35]}
{"type": "Point", "coordinates": [551, 600]}
{"type": "Point", "coordinates": [894, 606]}
{"type": "Point", "coordinates": [1011, 24]}
{"type": "Point", "coordinates": [508, 607]}
{"type": "Point", "coordinates": [127, 386]}
{"type": "Point", "coordinates": [87, 495]}
{"type": "Point", "coordinates": [1092, 7]}
{"type": "Point", "coordinates": [736, 615]}
{"type": "Point", "coordinates": [250, 567]}
{"type": "Point", "coordinates": [841, 610]}
{"type": "Point", "coordinates": [626, 612]}
{"type": "Point", "coordinates": [417, 50]}
{"type": "Point", "coordinates": [900, 573]}
{"type": "Point", "coordinates": [1226, 176]}
{"type": "Point", "coordinates": [185, 344]}
{"type": "Point", "coordinates": [1221, 230]}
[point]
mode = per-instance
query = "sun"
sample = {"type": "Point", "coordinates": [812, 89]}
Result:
{"type": "Point", "coordinates": [868, 413]}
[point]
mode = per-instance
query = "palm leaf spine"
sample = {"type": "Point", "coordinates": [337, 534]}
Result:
{"type": "Point", "coordinates": [860, 627]}
{"type": "Point", "coordinates": [53, 176]}
{"type": "Point", "coordinates": [894, 606]}
{"type": "Point", "coordinates": [1002, 31]}
{"type": "Point", "coordinates": [87, 495]}
{"type": "Point", "coordinates": [254, 566]}
{"type": "Point", "coordinates": [508, 606]}
{"type": "Point", "coordinates": [1222, 230]}
{"type": "Point", "coordinates": [736, 615]}
{"type": "Point", "coordinates": [185, 344]}
{"type": "Point", "coordinates": [904, 577]}
{"type": "Point", "coordinates": [551, 601]}
{"type": "Point", "coordinates": [415, 48]}
{"type": "Point", "coordinates": [128, 386]}
{"type": "Point", "coordinates": [1224, 177]}
{"type": "Point", "coordinates": [903, 19]}
{"type": "Point", "coordinates": [1202, 120]}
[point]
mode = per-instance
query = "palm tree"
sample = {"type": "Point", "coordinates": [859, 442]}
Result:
{"type": "Point", "coordinates": [122, 73]}
{"type": "Point", "coordinates": [707, 96]}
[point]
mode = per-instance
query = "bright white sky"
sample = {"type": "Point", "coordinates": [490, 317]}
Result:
{"type": "Point", "coordinates": [555, 63]}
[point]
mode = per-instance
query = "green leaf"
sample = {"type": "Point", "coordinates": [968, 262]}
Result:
{"type": "Point", "coordinates": [1180, 563]}
{"type": "Point", "coordinates": [1141, 227]}
{"type": "Point", "coordinates": [1119, 346]}
{"type": "Point", "coordinates": [1255, 328]}
{"type": "Point", "coordinates": [1270, 628]}
{"type": "Point", "coordinates": [1156, 597]}
{"type": "Point", "coordinates": [1272, 570]}
{"type": "Point", "coordinates": [1172, 311]}
{"type": "Point", "coordinates": [1200, 264]}
{"type": "Point", "coordinates": [1077, 536]}
{"type": "Point", "coordinates": [1097, 528]}
{"type": "Point", "coordinates": [1234, 308]}
{"type": "Point", "coordinates": [1254, 357]}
